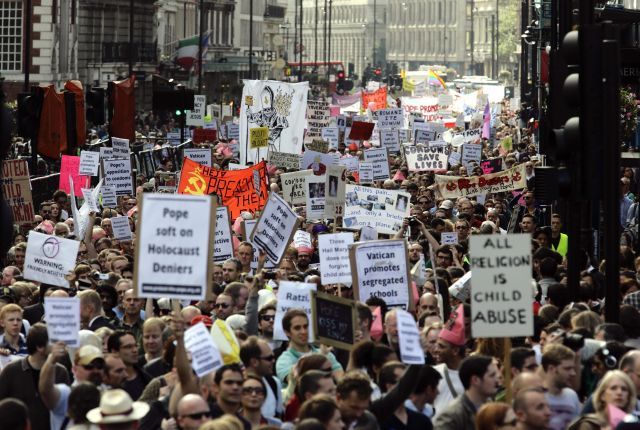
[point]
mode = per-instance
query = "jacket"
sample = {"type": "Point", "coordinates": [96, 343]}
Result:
{"type": "Point", "coordinates": [459, 415]}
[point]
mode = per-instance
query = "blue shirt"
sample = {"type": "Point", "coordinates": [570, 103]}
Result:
{"type": "Point", "coordinates": [22, 346]}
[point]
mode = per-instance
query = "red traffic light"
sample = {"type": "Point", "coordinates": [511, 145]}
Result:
{"type": "Point", "coordinates": [378, 72]}
{"type": "Point", "coordinates": [340, 75]}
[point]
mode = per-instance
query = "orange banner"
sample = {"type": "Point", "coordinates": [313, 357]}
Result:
{"type": "Point", "coordinates": [239, 190]}
{"type": "Point", "coordinates": [378, 98]}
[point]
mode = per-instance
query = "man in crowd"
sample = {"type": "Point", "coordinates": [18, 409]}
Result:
{"type": "Point", "coordinates": [258, 360]}
{"type": "Point", "coordinates": [124, 344]}
{"type": "Point", "coordinates": [559, 365]}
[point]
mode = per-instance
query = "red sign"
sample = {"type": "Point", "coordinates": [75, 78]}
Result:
{"type": "Point", "coordinates": [202, 135]}
{"type": "Point", "coordinates": [378, 98]}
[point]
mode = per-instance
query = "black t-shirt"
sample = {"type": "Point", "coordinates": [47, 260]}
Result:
{"type": "Point", "coordinates": [415, 421]}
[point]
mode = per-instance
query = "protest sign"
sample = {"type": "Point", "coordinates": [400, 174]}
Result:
{"type": "Point", "coordinates": [292, 295]}
{"type": "Point", "coordinates": [258, 137]}
{"type": "Point", "coordinates": [174, 246]}
{"type": "Point", "coordinates": [121, 228]}
{"type": "Point", "coordinates": [361, 130]}
{"type": "Point", "coordinates": [409, 338]}
{"type": "Point", "coordinates": [106, 152]}
{"type": "Point", "coordinates": [350, 163]}
{"type": "Point", "coordinates": [70, 166]}
{"type": "Point", "coordinates": [449, 238]}
{"type": "Point", "coordinates": [501, 296]}
{"type": "Point", "coordinates": [284, 160]}
{"type": "Point", "coordinates": [202, 135]}
{"type": "Point", "coordinates": [335, 267]}
{"type": "Point", "coordinates": [381, 269]}
{"type": "Point", "coordinates": [173, 138]}
{"type": "Point", "coordinates": [302, 239]}
{"type": "Point", "coordinates": [318, 145]}
{"type": "Point", "coordinates": [334, 320]}
{"type": "Point", "coordinates": [390, 139]}
{"type": "Point", "coordinates": [199, 155]}
{"type": "Point", "coordinates": [223, 242]}
{"type": "Point", "coordinates": [233, 131]}
{"type": "Point", "coordinates": [492, 165]}
{"type": "Point", "coordinates": [453, 187]}
{"type": "Point", "coordinates": [424, 136]}
{"type": "Point", "coordinates": [334, 197]}
{"type": "Point", "coordinates": [196, 116]}
{"type": "Point", "coordinates": [89, 163]}
{"type": "Point", "coordinates": [16, 189]}
{"type": "Point", "coordinates": [365, 172]}
{"type": "Point", "coordinates": [331, 135]}
{"type": "Point", "coordinates": [380, 160]}
{"type": "Point", "coordinates": [317, 161]}
{"type": "Point", "coordinates": [375, 100]}
{"type": "Point", "coordinates": [427, 106]}
{"type": "Point", "coordinates": [247, 229]}
{"type": "Point", "coordinates": [275, 228]}
{"type": "Point", "coordinates": [117, 174]}
{"type": "Point", "coordinates": [109, 199]}
{"type": "Point", "coordinates": [341, 121]}
{"type": "Point", "coordinates": [294, 186]}
{"type": "Point", "coordinates": [390, 118]}
{"type": "Point", "coordinates": [454, 158]}
{"type": "Point", "coordinates": [368, 233]}
{"type": "Point", "coordinates": [120, 147]}
{"type": "Point", "coordinates": [315, 192]}
{"type": "Point", "coordinates": [49, 258]}
{"type": "Point", "coordinates": [382, 209]}
{"type": "Point", "coordinates": [404, 135]}
{"type": "Point", "coordinates": [91, 200]}
{"type": "Point", "coordinates": [318, 117]}
{"type": "Point", "coordinates": [421, 158]}
{"type": "Point", "coordinates": [471, 153]}
{"type": "Point", "coordinates": [205, 356]}
{"type": "Point", "coordinates": [62, 315]}
{"type": "Point", "coordinates": [236, 188]}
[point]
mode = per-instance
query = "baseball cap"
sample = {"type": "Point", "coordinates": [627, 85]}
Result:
{"type": "Point", "coordinates": [447, 204]}
{"type": "Point", "coordinates": [88, 353]}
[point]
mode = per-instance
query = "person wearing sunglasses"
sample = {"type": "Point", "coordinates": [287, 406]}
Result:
{"type": "Point", "coordinates": [254, 393]}
{"type": "Point", "coordinates": [258, 360]}
{"type": "Point", "coordinates": [193, 411]}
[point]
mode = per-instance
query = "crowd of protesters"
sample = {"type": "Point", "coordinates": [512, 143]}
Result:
{"type": "Point", "coordinates": [132, 369]}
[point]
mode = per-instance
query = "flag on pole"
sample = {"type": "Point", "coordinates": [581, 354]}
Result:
{"type": "Point", "coordinates": [187, 54]}
{"type": "Point", "coordinates": [434, 80]}
{"type": "Point", "coordinates": [486, 127]}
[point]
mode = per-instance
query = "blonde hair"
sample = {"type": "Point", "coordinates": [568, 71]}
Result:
{"type": "Point", "coordinates": [154, 322]}
{"type": "Point", "coordinates": [598, 402]}
{"type": "Point", "coordinates": [9, 309]}
{"type": "Point", "coordinates": [225, 422]}
{"type": "Point", "coordinates": [586, 319]}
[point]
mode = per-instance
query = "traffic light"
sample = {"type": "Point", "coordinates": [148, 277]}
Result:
{"type": "Point", "coordinates": [95, 100]}
{"type": "Point", "coordinates": [340, 87]}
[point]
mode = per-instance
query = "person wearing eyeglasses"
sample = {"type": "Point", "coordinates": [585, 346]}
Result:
{"type": "Point", "coordinates": [193, 411]}
{"type": "Point", "coordinates": [254, 392]}
{"type": "Point", "coordinates": [258, 360]}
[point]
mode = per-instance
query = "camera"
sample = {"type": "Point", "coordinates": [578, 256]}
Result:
{"type": "Point", "coordinates": [269, 274]}
{"type": "Point", "coordinates": [413, 221]}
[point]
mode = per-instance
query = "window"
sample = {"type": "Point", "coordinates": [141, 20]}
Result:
{"type": "Point", "coordinates": [10, 36]}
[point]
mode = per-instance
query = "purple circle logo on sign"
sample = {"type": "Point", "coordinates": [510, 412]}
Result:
{"type": "Point", "coordinates": [51, 247]}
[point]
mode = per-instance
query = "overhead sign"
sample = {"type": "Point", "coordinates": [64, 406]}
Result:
{"type": "Point", "coordinates": [49, 258]}
{"type": "Point", "coordinates": [175, 246]}
{"type": "Point", "coordinates": [335, 267]}
{"type": "Point", "coordinates": [16, 189]}
{"type": "Point", "coordinates": [334, 320]}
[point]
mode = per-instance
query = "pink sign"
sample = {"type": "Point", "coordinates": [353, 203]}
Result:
{"type": "Point", "coordinates": [70, 166]}
{"type": "Point", "coordinates": [334, 110]}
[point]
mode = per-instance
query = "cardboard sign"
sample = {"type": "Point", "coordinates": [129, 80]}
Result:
{"type": "Point", "coordinates": [390, 139]}
{"type": "Point", "coordinates": [275, 228]}
{"type": "Point", "coordinates": [70, 166]}
{"type": "Point", "coordinates": [259, 137]}
{"type": "Point", "coordinates": [120, 147]}
{"type": "Point", "coordinates": [501, 303]}
{"type": "Point", "coordinates": [205, 356]}
{"type": "Point", "coordinates": [109, 198]}
{"type": "Point", "coordinates": [449, 238]}
{"type": "Point", "coordinates": [409, 338]}
{"type": "Point", "coordinates": [453, 187]}
{"type": "Point", "coordinates": [380, 159]}
{"type": "Point", "coordinates": [390, 118]}
{"type": "Point", "coordinates": [365, 172]}
{"type": "Point", "coordinates": [294, 186]}
{"type": "Point", "coordinates": [199, 155]}
{"type": "Point", "coordinates": [121, 228]}
{"type": "Point", "coordinates": [16, 189]}
{"type": "Point", "coordinates": [89, 163]}
{"type": "Point", "coordinates": [236, 189]}
{"type": "Point", "coordinates": [284, 160]}
{"type": "Point", "coordinates": [49, 258]}
{"type": "Point", "coordinates": [62, 315]}
{"type": "Point", "coordinates": [106, 152]}
{"type": "Point", "coordinates": [315, 192]}
{"type": "Point", "coordinates": [368, 233]}
{"type": "Point", "coordinates": [382, 209]}
{"type": "Point", "coordinates": [90, 198]}
{"type": "Point", "coordinates": [175, 246]}
{"type": "Point", "coordinates": [318, 145]}
{"type": "Point", "coordinates": [203, 135]}
{"type": "Point", "coordinates": [292, 295]}
{"type": "Point", "coordinates": [318, 117]}
{"type": "Point", "coordinates": [335, 267]}
{"type": "Point", "coordinates": [382, 270]}
{"type": "Point", "coordinates": [317, 161]}
{"type": "Point", "coordinates": [424, 136]}
{"type": "Point", "coordinates": [471, 153]}
{"type": "Point", "coordinates": [117, 174]}
{"type": "Point", "coordinates": [454, 158]}
{"type": "Point", "coordinates": [421, 158]}
{"type": "Point", "coordinates": [361, 130]}
{"type": "Point", "coordinates": [334, 320]}
{"type": "Point", "coordinates": [331, 135]}
{"type": "Point", "coordinates": [223, 242]}
{"type": "Point", "coordinates": [335, 186]}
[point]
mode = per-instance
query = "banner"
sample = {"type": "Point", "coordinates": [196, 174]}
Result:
{"type": "Point", "coordinates": [317, 118]}
{"type": "Point", "coordinates": [421, 158]}
{"type": "Point", "coordinates": [16, 189]}
{"type": "Point", "coordinates": [384, 210]}
{"type": "Point", "coordinates": [236, 188]}
{"type": "Point", "coordinates": [427, 106]}
{"type": "Point", "coordinates": [281, 107]}
{"type": "Point", "coordinates": [453, 187]}
{"type": "Point", "coordinates": [378, 98]}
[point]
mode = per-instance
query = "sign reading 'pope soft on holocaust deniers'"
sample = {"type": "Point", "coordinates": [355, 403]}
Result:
{"type": "Point", "coordinates": [175, 246]}
{"type": "Point", "coordinates": [501, 292]}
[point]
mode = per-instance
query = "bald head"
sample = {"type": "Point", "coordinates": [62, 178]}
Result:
{"type": "Point", "coordinates": [526, 380]}
{"type": "Point", "coordinates": [193, 411]}
{"type": "Point", "coordinates": [189, 313]}
{"type": "Point", "coordinates": [59, 293]}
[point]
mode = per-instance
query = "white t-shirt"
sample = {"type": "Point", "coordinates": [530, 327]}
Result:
{"type": "Point", "coordinates": [564, 407]}
{"type": "Point", "coordinates": [445, 395]}
{"type": "Point", "coordinates": [59, 412]}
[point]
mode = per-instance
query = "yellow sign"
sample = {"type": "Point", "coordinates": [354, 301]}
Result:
{"type": "Point", "coordinates": [259, 137]}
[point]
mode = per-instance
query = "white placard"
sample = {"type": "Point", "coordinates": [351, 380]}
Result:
{"type": "Point", "coordinates": [175, 245]}
{"type": "Point", "coordinates": [317, 161]}
{"type": "Point", "coordinates": [382, 271]}
{"type": "Point", "coordinates": [121, 228]}
{"type": "Point", "coordinates": [302, 239]}
{"type": "Point", "coordinates": [368, 233]}
{"type": "Point", "coordinates": [120, 147]}
{"type": "Point", "coordinates": [90, 199]}
{"type": "Point", "coordinates": [62, 315]}
{"type": "Point", "coordinates": [335, 186]}
{"type": "Point", "coordinates": [117, 174]}
{"type": "Point", "coordinates": [315, 191]}
{"type": "Point", "coordinates": [335, 267]}
{"type": "Point", "coordinates": [106, 153]}
{"type": "Point", "coordinates": [275, 228]}
{"type": "Point", "coordinates": [390, 139]}
{"type": "Point", "coordinates": [382, 209]}
{"type": "Point", "coordinates": [409, 338]}
{"type": "Point", "coordinates": [365, 172]}
{"type": "Point", "coordinates": [404, 135]}
{"type": "Point", "coordinates": [199, 155]}
{"type": "Point", "coordinates": [205, 356]}
{"type": "Point", "coordinates": [341, 121]}
{"type": "Point", "coordinates": [249, 225]}
{"type": "Point", "coordinates": [294, 186]}
{"type": "Point", "coordinates": [292, 295]}
{"type": "Point", "coordinates": [390, 118]}
{"type": "Point", "coordinates": [454, 158]}
{"type": "Point", "coordinates": [233, 131]}
{"type": "Point", "coordinates": [351, 163]}
{"type": "Point", "coordinates": [89, 163]}
{"type": "Point", "coordinates": [471, 152]}
{"type": "Point", "coordinates": [421, 158]}
{"type": "Point", "coordinates": [449, 238]}
{"type": "Point", "coordinates": [331, 135]}
{"type": "Point", "coordinates": [223, 242]}
{"type": "Point", "coordinates": [49, 258]}
{"type": "Point", "coordinates": [380, 160]}
{"type": "Point", "coordinates": [109, 199]}
{"type": "Point", "coordinates": [501, 294]}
